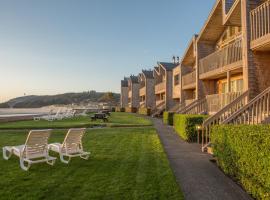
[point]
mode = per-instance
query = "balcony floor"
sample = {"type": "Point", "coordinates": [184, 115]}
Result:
{"type": "Point", "coordinates": [261, 44]}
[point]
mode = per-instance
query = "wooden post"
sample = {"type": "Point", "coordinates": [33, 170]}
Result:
{"type": "Point", "coordinates": [228, 81]}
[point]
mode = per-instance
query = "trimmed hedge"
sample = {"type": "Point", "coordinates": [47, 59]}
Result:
{"type": "Point", "coordinates": [168, 118]}
{"type": "Point", "coordinates": [130, 110]}
{"type": "Point", "coordinates": [119, 109]}
{"type": "Point", "coordinates": [144, 111]}
{"type": "Point", "coordinates": [185, 125]}
{"type": "Point", "coordinates": [243, 152]}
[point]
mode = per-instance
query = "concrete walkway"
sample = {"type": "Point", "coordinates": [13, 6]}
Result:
{"type": "Point", "coordinates": [198, 178]}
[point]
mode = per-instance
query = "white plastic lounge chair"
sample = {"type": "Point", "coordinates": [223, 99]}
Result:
{"type": "Point", "coordinates": [71, 147]}
{"type": "Point", "coordinates": [35, 149]}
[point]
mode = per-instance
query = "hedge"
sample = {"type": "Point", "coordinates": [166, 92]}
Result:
{"type": "Point", "coordinates": [119, 109]}
{"type": "Point", "coordinates": [168, 118]}
{"type": "Point", "coordinates": [185, 125]}
{"type": "Point", "coordinates": [243, 152]}
{"type": "Point", "coordinates": [144, 111]}
{"type": "Point", "coordinates": [130, 110]}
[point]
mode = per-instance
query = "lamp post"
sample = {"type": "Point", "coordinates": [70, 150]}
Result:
{"type": "Point", "coordinates": [199, 129]}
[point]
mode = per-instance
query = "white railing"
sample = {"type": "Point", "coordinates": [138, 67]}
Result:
{"type": "Point", "coordinates": [230, 54]}
{"type": "Point", "coordinates": [189, 78]}
{"type": "Point", "coordinates": [260, 21]}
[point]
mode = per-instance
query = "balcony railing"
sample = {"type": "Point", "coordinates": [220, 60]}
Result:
{"type": "Point", "coordinates": [129, 94]}
{"type": "Point", "coordinates": [189, 78]}
{"type": "Point", "coordinates": [260, 21]}
{"type": "Point", "coordinates": [143, 91]}
{"type": "Point", "coordinates": [160, 87]}
{"type": "Point", "coordinates": [216, 102]}
{"type": "Point", "coordinates": [230, 54]}
{"type": "Point", "coordinates": [189, 101]}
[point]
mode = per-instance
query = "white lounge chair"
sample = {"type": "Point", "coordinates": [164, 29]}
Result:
{"type": "Point", "coordinates": [71, 147]}
{"type": "Point", "coordinates": [35, 149]}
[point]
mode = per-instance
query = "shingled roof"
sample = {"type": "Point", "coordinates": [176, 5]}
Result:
{"type": "Point", "coordinates": [134, 79]}
{"type": "Point", "coordinates": [148, 74]}
{"type": "Point", "coordinates": [168, 66]}
{"type": "Point", "coordinates": [124, 82]}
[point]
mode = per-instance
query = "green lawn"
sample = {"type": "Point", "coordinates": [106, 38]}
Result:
{"type": "Point", "coordinates": [126, 163]}
{"type": "Point", "coordinates": [116, 119]}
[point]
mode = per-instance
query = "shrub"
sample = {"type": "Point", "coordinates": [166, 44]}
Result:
{"type": "Point", "coordinates": [119, 109]}
{"type": "Point", "coordinates": [168, 118]}
{"type": "Point", "coordinates": [130, 110]}
{"type": "Point", "coordinates": [243, 152]}
{"type": "Point", "coordinates": [113, 109]}
{"type": "Point", "coordinates": [145, 111]}
{"type": "Point", "coordinates": [185, 125]}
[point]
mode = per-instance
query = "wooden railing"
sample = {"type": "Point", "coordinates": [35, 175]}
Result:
{"type": "Point", "coordinates": [142, 91]}
{"type": "Point", "coordinates": [160, 107]}
{"type": "Point", "coordinates": [189, 78]}
{"type": "Point", "coordinates": [189, 101]}
{"type": "Point", "coordinates": [260, 21]}
{"type": "Point", "coordinates": [196, 107]}
{"type": "Point", "coordinates": [228, 55]}
{"type": "Point", "coordinates": [255, 112]}
{"type": "Point", "coordinates": [222, 115]}
{"type": "Point", "coordinates": [216, 102]}
{"type": "Point", "coordinates": [160, 87]}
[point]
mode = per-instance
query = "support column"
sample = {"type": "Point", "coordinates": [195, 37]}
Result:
{"type": "Point", "coordinates": [229, 82]}
{"type": "Point", "coordinates": [249, 68]}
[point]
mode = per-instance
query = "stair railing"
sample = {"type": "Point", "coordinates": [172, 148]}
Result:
{"type": "Point", "coordinates": [255, 112]}
{"type": "Point", "coordinates": [220, 116]}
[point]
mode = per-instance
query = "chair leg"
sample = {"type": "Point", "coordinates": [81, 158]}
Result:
{"type": "Point", "coordinates": [62, 158]}
{"type": "Point", "coordinates": [85, 157]}
{"type": "Point", "coordinates": [23, 166]}
{"type": "Point", "coordinates": [6, 154]}
{"type": "Point", "coordinates": [51, 162]}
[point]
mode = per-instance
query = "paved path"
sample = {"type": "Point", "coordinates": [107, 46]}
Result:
{"type": "Point", "coordinates": [198, 178]}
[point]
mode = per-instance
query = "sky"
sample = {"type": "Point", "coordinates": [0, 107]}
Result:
{"type": "Point", "coordinates": [57, 46]}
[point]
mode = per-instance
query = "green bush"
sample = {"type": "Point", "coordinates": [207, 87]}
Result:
{"type": "Point", "coordinates": [113, 109]}
{"type": "Point", "coordinates": [119, 109]}
{"type": "Point", "coordinates": [144, 111]}
{"type": "Point", "coordinates": [130, 110]}
{"type": "Point", "coordinates": [168, 118]}
{"type": "Point", "coordinates": [185, 125]}
{"type": "Point", "coordinates": [243, 152]}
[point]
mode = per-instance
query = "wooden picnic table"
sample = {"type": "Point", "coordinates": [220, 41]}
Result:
{"type": "Point", "coordinates": [102, 116]}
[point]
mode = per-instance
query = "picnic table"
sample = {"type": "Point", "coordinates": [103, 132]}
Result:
{"type": "Point", "coordinates": [102, 116]}
{"type": "Point", "coordinates": [107, 112]}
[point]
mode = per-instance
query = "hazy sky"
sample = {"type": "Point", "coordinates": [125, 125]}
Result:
{"type": "Point", "coordinates": [56, 46]}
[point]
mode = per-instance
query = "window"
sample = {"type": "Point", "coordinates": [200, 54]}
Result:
{"type": "Point", "coordinates": [176, 79]}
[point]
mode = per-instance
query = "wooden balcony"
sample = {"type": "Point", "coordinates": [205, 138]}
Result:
{"type": "Point", "coordinates": [226, 59]}
{"type": "Point", "coordinates": [189, 81]}
{"type": "Point", "coordinates": [260, 27]}
{"type": "Point", "coordinates": [129, 94]}
{"type": "Point", "coordinates": [143, 91]}
{"type": "Point", "coordinates": [216, 102]}
{"type": "Point", "coordinates": [160, 88]}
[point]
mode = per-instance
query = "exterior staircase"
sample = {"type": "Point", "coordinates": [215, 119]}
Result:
{"type": "Point", "coordinates": [160, 108]}
{"type": "Point", "coordinates": [222, 115]}
{"type": "Point", "coordinates": [239, 111]}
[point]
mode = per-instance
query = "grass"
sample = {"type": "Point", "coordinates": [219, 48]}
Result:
{"type": "Point", "coordinates": [125, 163]}
{"type": "Point", "coordinates": [116, 120]}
